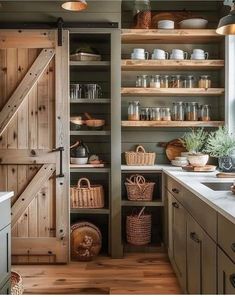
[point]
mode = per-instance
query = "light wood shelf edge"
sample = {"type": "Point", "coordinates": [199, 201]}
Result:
{"type": "Point", "coordinates": [172, 124]}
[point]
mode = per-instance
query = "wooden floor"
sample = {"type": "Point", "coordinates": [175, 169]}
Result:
{"type": "Point", "coordinates": [135, 274]}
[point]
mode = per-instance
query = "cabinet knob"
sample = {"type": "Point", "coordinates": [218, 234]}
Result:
{"type": "Point", "coordinates": [194, 237]}
{"type": "Point", "coordinates": [175, 205]}
{"type": "Point", "coordinates": [233, 247]}
{"type": "Point", "coordinates": [232, 279]}
{"type": "Point", "coordinates": [176, 191]}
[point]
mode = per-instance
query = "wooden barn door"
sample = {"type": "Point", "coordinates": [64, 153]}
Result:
{"type": "Point", "coordinates": [34, 154]}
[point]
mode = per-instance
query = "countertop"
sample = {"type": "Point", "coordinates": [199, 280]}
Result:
{"type": "Point", "coordinates": [5, 195]}
{"type": "Point", "coordinates": [222, 201]}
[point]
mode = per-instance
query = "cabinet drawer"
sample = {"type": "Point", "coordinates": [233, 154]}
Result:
{"type": "Point", "coordinates": [174, 187]}
{"type": "Point", "coordinates": [226, 236]}
{"type": "Point", "coordinates": [226, 274]}
{"type": "Point", "coordinates": [5, 213]}
{"type": "Point", "coordinates": [5, 255]}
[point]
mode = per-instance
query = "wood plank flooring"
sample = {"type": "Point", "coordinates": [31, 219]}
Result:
{"type": "Point", "coordinates": [135, 274]}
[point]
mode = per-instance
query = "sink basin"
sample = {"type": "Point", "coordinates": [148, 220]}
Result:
{"type": "Point", "coordinates": [218, 186]}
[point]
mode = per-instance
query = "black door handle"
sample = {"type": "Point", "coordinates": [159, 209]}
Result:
{"type": "Point", "coordinates": [176, 191]}
{"type": "Point", "coordinates": [232, 279]}
{"type": "Point", "coordinates": [194, 237]}
{"type": "Point", "coordinates": [175, 205]}
{"type": "Point", "coordinates": [60, 150]}
{"type": "Point", "coordinates": [233, 247]}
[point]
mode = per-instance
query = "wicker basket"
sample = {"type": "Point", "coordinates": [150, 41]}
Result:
{"type": "Point", "coordinates": [138, 189]}
{"type": "Point", "coordinates": [140, 157]}
{"type": "Point", "coordinates": [138, 228]}
{"type": "Point", "coordinates": [17, 287]}
{"type": "Point", "coordinates": [87, 196]}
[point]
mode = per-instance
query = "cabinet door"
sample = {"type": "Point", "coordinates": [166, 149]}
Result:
{"type": "Point", "coordinates": [226, 274]}
{"type": "Point", "coordinates": [6, 289]}
{"type": "Point", "coordinates": [201, 260]}
{"type": "Point", "coordinates": [177, 238]}
{"type": "Point", "coordinates": [5, 255]}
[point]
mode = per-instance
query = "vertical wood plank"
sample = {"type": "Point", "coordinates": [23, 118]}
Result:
{"type": "Point", "coordinates": [43, 212]}
{"type": "Point", "coordinates": [3, 178]}
{"type": "Point", "coordinates": [33, 218]}
{"type": "Point", "coordinates": [12, 184]}
{"type": "Point", "coordinates": [52, 104]}
{"type": "Point", "coordinates": [23, 225]}
{"type": "Point", "coordinates": [3, 90]}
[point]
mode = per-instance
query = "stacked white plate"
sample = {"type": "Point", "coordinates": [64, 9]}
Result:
{"type": "Point", "coordinates": [180, 162]}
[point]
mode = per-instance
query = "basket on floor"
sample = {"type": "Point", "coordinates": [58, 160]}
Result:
{"type": "Point", "coordinates": [138, 228]}
{"type": "Point", "coordinates": [17, 287]}
{"type": "Point", "coordinates": [87, 195]}
{"type": "Point", "coordinates": [138, 189]}
{"type": "Point", "coordinates": [140, 157]}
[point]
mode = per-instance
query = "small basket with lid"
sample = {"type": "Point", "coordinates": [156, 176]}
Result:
{"type": "Point", "coordinates": [140, 157]}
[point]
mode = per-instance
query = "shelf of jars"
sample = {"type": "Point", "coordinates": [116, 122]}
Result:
{"type": "Point", "coordinates": [151, 65]}
{"type": "Point", "coordinates": [179, 36]}
{"type": "Point", "coordinates": [134, 92]}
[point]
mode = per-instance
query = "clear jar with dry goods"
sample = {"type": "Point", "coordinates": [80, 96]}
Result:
{"type": "Point", "coordinates": [142, 14]}
{"type": "Point", "coordinates": [166, 114]}
{"type": "Point", "coordinates": [189, 81]}
{"type": "Point", "coordinates": [204, 81]}
{"type": "Point", "coordinates": [178, 111]}
{"type": "Point", "coordinates": [176, 81]}
{"type": "Point", "coordinates": [192, 111]}
{"type": "Point", "coordinates": [155, 114]}
{"type": "Point", "coordinates": [145, 114]}
{"type": "Point", "coordinates": [206, 113]}
{"type": "Point", "coordinates": [142, 81]}
{"type": "Point", "coordinates": [164, 81]}
{"type": "Point", "coordinates": [155, 81]}
{"type": "Point", "coordinates": [134, 111]}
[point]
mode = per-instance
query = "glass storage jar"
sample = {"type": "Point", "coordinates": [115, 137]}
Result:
{"type": "Point", "coordinates": [200, 112]}
{"type": "Point", "coordinates": [75, 91]}
{"type": "Point", "coordinates": [145, 114]}
{"type": "Point", "coordinates": [142, 81]}
{"type": "Point", "coordinates": [189, 81]}
{"type": "Point", "coordinates": [192, 111]}
{"type": "Point", "coordinates": [204, 81]}
{"type": "Point", "coordinates": [155, 114]}
{"type": "Point", "coordinates": [134, 111]}
{"type": "Point", "coordinates": [178, 111]}
{"type": "Point", "coordinates": [142, 14]}
{"type": "Point", "coordinates": [164, 81]}
{"type": "Point", "coordinates": [206, 113]}
{"type": "Point", "coordinates": [176, 81]}
{"type": "Point", "coordinates": [155, 81]}
{"type": "Point", "coordinates": [166, 114]}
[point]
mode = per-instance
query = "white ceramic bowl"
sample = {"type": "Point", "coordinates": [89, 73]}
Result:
{"type": "Point", "coordinates": [198, 160]}
{"type": "Point", "coordinates": [79, 161]}
{"type": "Point", "coordinates": [179, 163]}
{"type": "Point", "coordinates": [182, 159]}
{"type": "Point", "coordinates": [193, 24]}
{"type": "Point", "coordinates": [166, 24]}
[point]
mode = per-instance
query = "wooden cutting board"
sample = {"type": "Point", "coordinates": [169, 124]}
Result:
{"type": "Point", "coordinates": [174, 149]}
{"type": "Point", "coordinates": [207, 168]}
{"type": "Point", "coordinates": [225, 175]}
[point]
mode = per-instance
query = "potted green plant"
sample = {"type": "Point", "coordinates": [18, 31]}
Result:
{"type": "Point", "coordinates": [194, 142]}
{"type": "Point", "coordinates": [220, 144]}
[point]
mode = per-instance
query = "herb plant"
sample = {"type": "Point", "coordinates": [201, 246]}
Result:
{"type": "Point", "coordinates": [194, 140]}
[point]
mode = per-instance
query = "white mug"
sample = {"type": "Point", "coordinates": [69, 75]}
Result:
{"type": "Point", "coordinates": [139, 54]}
{"type": "Point", "coordinates": [159, 54]}
{"type": "Point", "coordinates": [178, 54]}
{"type": "Point", "coordinates": [166, 24]}
{"type": "Point", "coordinates": [199, 54]}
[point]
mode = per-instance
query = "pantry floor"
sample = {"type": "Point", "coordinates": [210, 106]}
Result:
{"type": "Point", "coordinates": [135, 274]}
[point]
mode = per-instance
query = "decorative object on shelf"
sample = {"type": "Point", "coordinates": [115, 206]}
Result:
{"type": "Point", "coordinates": [176, 81]}
{"type": "Point", "coordinates": [175, 16]}
{"type": "Point", "coordinates": [166, 24]}
{"type": "Point", "coordinates": [199, 54]}
{"type": "Point", "coordinates": [85, 195]}
{"type": "Point", "coordinates": [76, 91]}
{"type": "Point", "coordinates": [194, 143]}
{"type": "Point", "coordinates": [17, 287]}
{"type": "Point", "coordinates": [140, 157]}
{"type": "Point", "coordinates": [178, 54]}
{"type": "Point", "coordinates": [193, 23]}
{"type": "Point", "coordinates": [85, 53]}
{"type": "Point", "coordinates": [134, 111]}
{"type": "Point", "coordinates": [192, 111]}
{"type": "Point", "coordinates": [138, 228]}
{"type": "Point", "coordinates": [155, 81]}
{"type": "Point", "coordinates": [139, 54]}
{"type": "Point", "coordinates": [205, 113]}
{"type": "Point", "coordinates": [178, 111]}
{"type": "Point", "coordinates": [142, 81]}
{"type": "Point", "coordinates": [159, 54]}
{"type": "Point", "coordinates": [165, 114]}
{"type": "Point", "coordinates": [95, 124]}
{"type": "Point", "coordinates": [227, 24]}
{"type": "Point", "coordinates": [76, 123]}
{"type": "Point", "coordinates": [138, 189]}
{"type": "Point", "coordinates": [174, 149]}
{"type": "Point", "coordinates": [145, 114]}
{"type": "Point", "coordinates": [180, 161]}
{"type": "Point", "coordinates": [142, 14]}
{"type": "Point", "coordinates": [79, 153]}
{"type": "Point", "coordinates": [206, 168]}
{"type": "Point", "coordinates": [189, 82]}
{"type": "Point", "coordinates": [92, 91]}
{"type": "Point", "coordinates": [204, 82]}
{"type": "Point", "coordinates": [75, 5]}
{"type": "Point", "coordinates": [94, 159]}
{"type": "Point", "coordinates": [86, 241]}
{"type": "Point", "coordinates": [220, 144]}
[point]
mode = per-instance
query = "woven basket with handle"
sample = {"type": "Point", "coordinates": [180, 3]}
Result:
{"type": "Point", "coordinates": [138, 189]}
{"type": "Point", "coordinates": [17, 287]}
{"type": "Point", "coordinates": [87, 195]}
{"type": "Point", "coordinates": [138, 228]}
{"type": "Point", "coordinates": [140, 157]}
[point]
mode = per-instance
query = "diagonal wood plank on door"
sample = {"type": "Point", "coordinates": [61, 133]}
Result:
{"type": "Point", "coordinates": [32, 189]}
{"type": "Point", "coordinates": [24, 88]}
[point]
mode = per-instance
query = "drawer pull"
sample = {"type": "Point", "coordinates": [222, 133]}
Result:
{"type": "Point", "coordinates": [194, 237]}
{"type": "Point", "coordinates": [175, 205]}
{"type": "Point", "coordinates": [176, 191]}
{"type": "Point", "coordinates": [233, 247]}
{"type": "Point", "coordinates": [232, 279]}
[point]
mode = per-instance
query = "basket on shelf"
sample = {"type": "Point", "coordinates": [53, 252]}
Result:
{"type": "Point", "coordinates": [140, 157]}
{"type": "Point", "coordinates": [17, 287]}
{"type": "Point", "coordinates": [86, 241]}
{"type": "Point", "coordinates": [138, 228]}
{"type": "Point", "coordinates": [87, 195]}
{"type": "Point", "coordinates": [138, 189]}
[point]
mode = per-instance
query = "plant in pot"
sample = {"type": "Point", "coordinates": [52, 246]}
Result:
{"type": "Point", "coordinates": [220, 144]}
{"type": "Point", "coordinates": [194, 142]}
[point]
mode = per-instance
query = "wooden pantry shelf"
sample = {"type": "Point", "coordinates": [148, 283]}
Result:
{"type": "Point", "coordinates": [76, 168]}
{"type": "Point", "coordinates": [90, 63]}
{"type": "Point", "coordinates": [172, 124]}
{"type": "Point", "coordinates": [141, 203]}
{"type": "Point", "coordinates": [129, 92]}
{"type": "Point", "coordinates": [156, 36]}
{"type": "Point", "coordinates": [90, 210]}
{"type": "Point", "coordinates": [90, 132]}
{"type": "Point", "coordinates": [90, 101]}
{"type": "Point", "coordinates": [148, 65]}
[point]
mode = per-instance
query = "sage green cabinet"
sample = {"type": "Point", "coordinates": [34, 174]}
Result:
{"type": "Point", "coordinates": [6, 289]}
{"type": "Point", "coordinates": [226, 274]}
{"type": "Point", "coordinates": [201, 260]}
{"type": "Point", "coordinates": [177, 238]}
